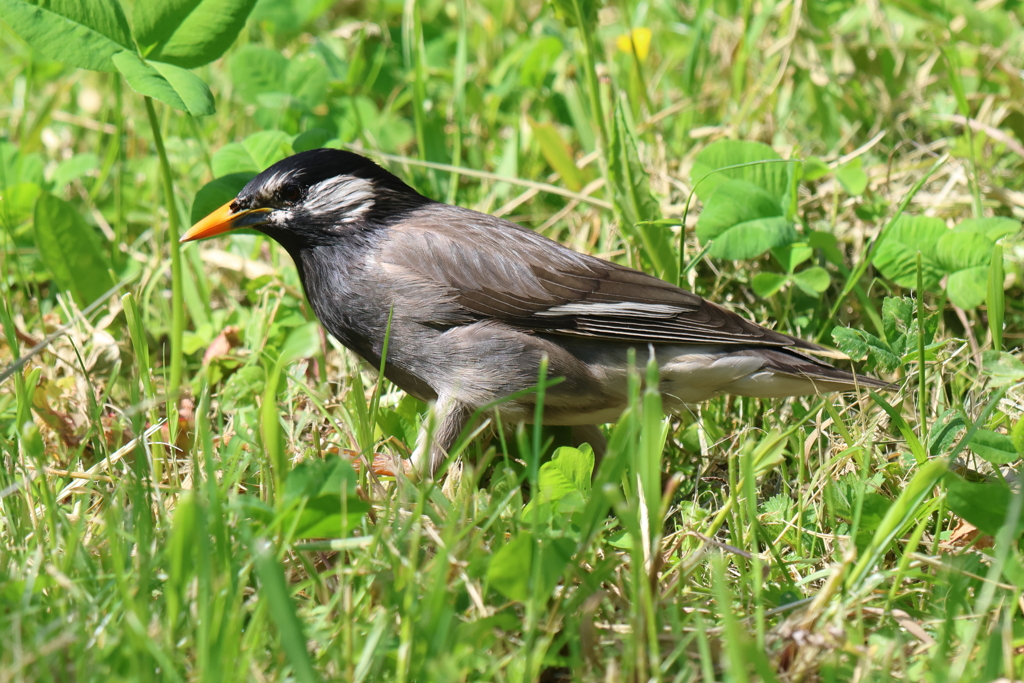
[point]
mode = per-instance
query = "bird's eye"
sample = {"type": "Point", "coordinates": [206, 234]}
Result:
{"type": "Point", "coordinates": [290, 194]}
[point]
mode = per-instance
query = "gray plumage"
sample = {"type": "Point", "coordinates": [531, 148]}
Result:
{"type": "Point", "coordinates": [479, 301]}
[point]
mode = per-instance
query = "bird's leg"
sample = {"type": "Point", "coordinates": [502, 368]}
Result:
{"type": "Point", "coordinates": [431, 449]}
{"type": "Point", "coordinates": [591, 434]}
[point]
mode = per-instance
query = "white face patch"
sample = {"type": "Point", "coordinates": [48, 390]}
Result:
{"type": "Point", "coordinates": [630, 309]}
{"type": "Point", "coordinates": [272, 183]}
{"type": "Point", "coordinates": [280, 217]}
{"type": "Point", "coordinates": [347, 196]}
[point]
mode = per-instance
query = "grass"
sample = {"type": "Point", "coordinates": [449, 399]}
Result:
{"type": "Point", "coordinates": [216, 534]}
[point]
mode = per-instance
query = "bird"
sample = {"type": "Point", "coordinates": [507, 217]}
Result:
{"type": "Point", "coordinates": [470, 305]}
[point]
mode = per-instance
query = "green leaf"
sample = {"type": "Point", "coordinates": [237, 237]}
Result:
{"type": "Point", "coordinates": [793, 255]}
{"type": "Point", "coordinates": [1017, 436]}
{"type": "Point", "coordinates": [217, 193]}
{"type": "Point", "coordinates": [828, 244]}
{"type": "Point", "coordinates": [570, 470]}
{"type": "Point", "coordinates": [188, 33]}
{"type": "Point", "coordinates": [21, 180]}
{"type": "Point", "coordinates": [944, 431]}
{"type": "Point", "coordinates": [744, 222]}
{"type": "Point", "coordinates": [404, 421]}
{"type": "Point", "coordinates": [511, 568]}
{"type": "Point", "coordinates": [302, 342]}
{"type": "Point", "coordinates": [1002, 367]}
{"type": "Point", "coordinates": [252, 155]}
{"type": "Point", "coordinates": [982, 504]}
{"type": "Point", "coordinates": [17, 167]}
{"type": "Point", "coordinates": [897, 314]}
{"type": "Point", "coordinates": [852, 177]}
{"type": "Point", "coordinates": [851, 342]}
{"type": "Point", "coordinates": [897, 257]}
{"type": "Point", "coordinates": [557, 154]}
{"type": "Point", "coordinates": [193, 341]}
{"type": "Point", "coordinates": [329, 505]}
{"type": "Point", "coordinates": [314, 138]}
{"type": "Point", "coordinates": [538, 63]}
{"type": "Point", "coordinates": [960, 249]}
{"type": "Point", "coordinates": [233, 159]}
{"type": "Point", "coordinates": [329, 516]}
{"type": "Point", "coordinates": [565, 480]}
{"type": "Point", "coordinates": [993, 447]}
{"type": "Point", "coordinates": [966, 253]}
{"type": "Point", "coordinates": [17, 203]}
{"type": "Point", "coordinates": [242, 386]}
{"type": "Point", "coordinates": [74, 168]}
{"type": "Point", "coordinates": [359, 117]}
{"type": "Point", "coordinates": [858, 345]}
{"type": "Point", "coordinates": [82, 33]}
{"type": "Point", "coordinates": [751, 239]}
{"type": "Point", "coordinates": [170, 84]}
{"type": "Point", "coordinates": [766, 284]}
{"type": "Point", "coordinates": [257, 70]}
{"type": "Point", "coordinates": [844, 493]}
{"type": "Point", "coordinates": [734, 202]}
{"type": "Point", "coordinates": [993, 228]}
{"type": "Point", "coordinates": [283, 17]}
{"type": "Point", "coordinates": [306, 79]}
{"type": "Point", "coordinates": [813, 280]}
{"type": "Point", "coordinates": [967, 288]}
{"type": "Point", "coordinates": [814, 169]}
{"type": "Point", "coordinates": [773, 178]}
{"type": "Point", "coordinates": [71, 250]}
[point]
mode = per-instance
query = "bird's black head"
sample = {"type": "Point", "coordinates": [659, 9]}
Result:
{"type": "Point", "coordinates": [321, 196]}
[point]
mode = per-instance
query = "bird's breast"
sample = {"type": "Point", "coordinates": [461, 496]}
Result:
{"type": "Point", "coordinates": [353, 299]}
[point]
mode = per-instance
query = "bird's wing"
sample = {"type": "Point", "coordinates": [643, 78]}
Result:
{"type": "Point", "coordinates": [489, 268]}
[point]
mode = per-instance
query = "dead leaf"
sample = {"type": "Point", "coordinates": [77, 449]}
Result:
{"type": "Point", "coordinates": [966, 534]}
{"type": "Point", "coordinates": [222, 344]}
{"type": "Point", "coordinates": [60, 422]}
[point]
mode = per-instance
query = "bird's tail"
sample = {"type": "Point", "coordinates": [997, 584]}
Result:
{"type": "Point", "coordinates": [787, 372]}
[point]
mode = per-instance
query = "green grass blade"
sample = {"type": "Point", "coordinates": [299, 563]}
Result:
{"type": "Point", "coordinates": [900, 513]}
{"type": "Point", "coordinates": [996, 302]}
{"type": "Point", "coordinates": [282, 610]}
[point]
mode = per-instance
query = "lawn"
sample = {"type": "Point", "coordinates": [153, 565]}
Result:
{"type": "Point", "coordinates": [184, 490]}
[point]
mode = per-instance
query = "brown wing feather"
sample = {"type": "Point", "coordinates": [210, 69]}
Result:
{"type": "Point", "coordinates": [480, 259]}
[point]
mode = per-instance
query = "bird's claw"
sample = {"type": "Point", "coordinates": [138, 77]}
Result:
{"type": "Point", "coordinates": [385, 465]}
{"type": "Point", "coordinates": [382, 464]}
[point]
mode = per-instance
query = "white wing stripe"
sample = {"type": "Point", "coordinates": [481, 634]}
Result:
{"type": "Point", "coordinates": [630, 309]}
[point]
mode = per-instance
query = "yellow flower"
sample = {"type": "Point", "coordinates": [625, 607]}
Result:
{"type": "Point", "coordinates": [638, 39]}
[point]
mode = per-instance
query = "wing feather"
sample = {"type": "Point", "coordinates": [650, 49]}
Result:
{"type": "Point", "coordinates": [492, 268]}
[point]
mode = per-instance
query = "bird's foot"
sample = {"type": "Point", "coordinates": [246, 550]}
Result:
{"type": "Point", "coordinates": [385, 465]}
{"type": "Point", "coordinates": [382, 464]}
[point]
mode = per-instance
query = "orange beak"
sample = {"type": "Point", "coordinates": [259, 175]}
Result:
{"type": "Point", "coordinates": [223, 220]}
